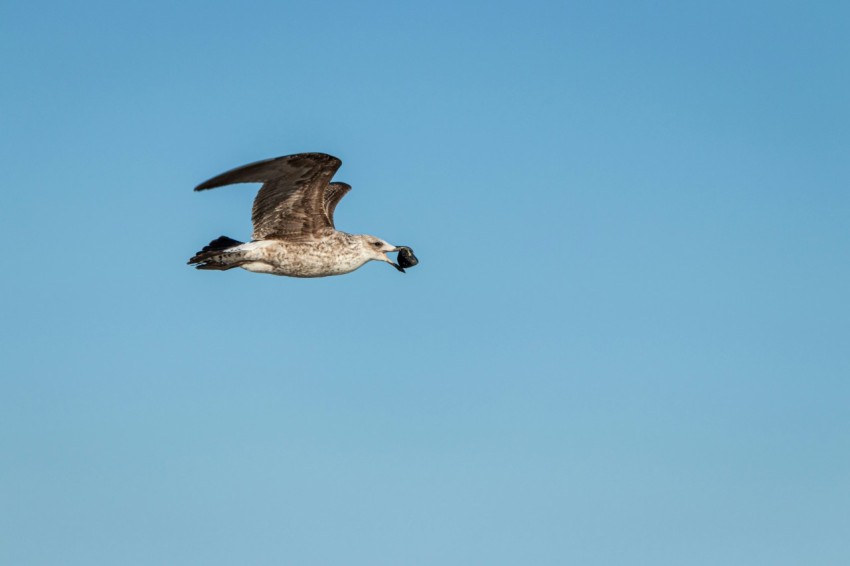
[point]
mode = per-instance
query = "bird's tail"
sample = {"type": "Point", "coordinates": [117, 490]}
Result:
{"type": "Point", "coordinates": [214, 255]}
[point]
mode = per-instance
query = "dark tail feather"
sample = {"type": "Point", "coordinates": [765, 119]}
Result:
{"type": "Point", "coordinates": [205, 256]}
{"type": "Point", "coordinates": [212, 265]}
{"type": "Point", "coordinates": [221, 243]}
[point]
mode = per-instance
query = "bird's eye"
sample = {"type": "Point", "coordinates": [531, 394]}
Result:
{"type": "Point", "coordinates": [376, 244]}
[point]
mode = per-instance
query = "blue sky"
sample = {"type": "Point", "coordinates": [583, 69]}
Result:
{"type": "Point", "coordinates": [626, 341]}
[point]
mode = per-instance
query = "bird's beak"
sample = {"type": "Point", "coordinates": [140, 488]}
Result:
{"type": "Point", "coordinates": [391, 262]}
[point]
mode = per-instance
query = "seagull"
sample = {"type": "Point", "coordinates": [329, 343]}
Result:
{"type": "Point", "coordinates": [293, 217]}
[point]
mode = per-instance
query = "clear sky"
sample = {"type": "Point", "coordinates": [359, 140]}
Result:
{"type": "Point", "coordinates": [627, 341]}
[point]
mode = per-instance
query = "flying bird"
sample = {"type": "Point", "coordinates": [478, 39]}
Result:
{"type": "Point", "coordinates": [293, 218]}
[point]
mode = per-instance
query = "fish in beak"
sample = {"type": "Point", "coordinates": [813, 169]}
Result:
{"type": "Point", "coordinates": [405, 258]}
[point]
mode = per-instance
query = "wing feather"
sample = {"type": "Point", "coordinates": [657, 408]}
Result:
{"type": "Point", "coordinates": [333, 194]}
{"type": "Point", "coordinates": [291, 203]}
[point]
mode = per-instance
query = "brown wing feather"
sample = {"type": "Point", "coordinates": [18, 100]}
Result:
{"type": "Point", "coordinates": [290, 204]}
{"type": "Point", "coordinates": [333, 194]}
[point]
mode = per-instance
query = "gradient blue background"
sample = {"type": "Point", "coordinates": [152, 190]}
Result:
{"type": "Point", "coordinates": [627, 341]}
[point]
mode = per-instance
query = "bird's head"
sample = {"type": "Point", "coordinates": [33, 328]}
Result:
{"type": "Point", "coordinates": [377, 249]}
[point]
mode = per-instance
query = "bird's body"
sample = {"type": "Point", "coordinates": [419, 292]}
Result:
{"type": "Point", "coordinates": [336, 254]}
{"type": "Point", "coordinates": [294, 233]}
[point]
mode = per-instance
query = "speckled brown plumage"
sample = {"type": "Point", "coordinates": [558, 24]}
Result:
{"type": "Point", "coordinates": [291, 203]}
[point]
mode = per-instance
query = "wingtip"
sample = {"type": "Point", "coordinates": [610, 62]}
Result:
{"type": "Point", "coordinates": [208, 184]}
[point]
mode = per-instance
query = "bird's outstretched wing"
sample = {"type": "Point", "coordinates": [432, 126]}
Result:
{"type": "Point", "coordinates": [333, 194]}
{"type": "Point", "coordinates": [293, 202]}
